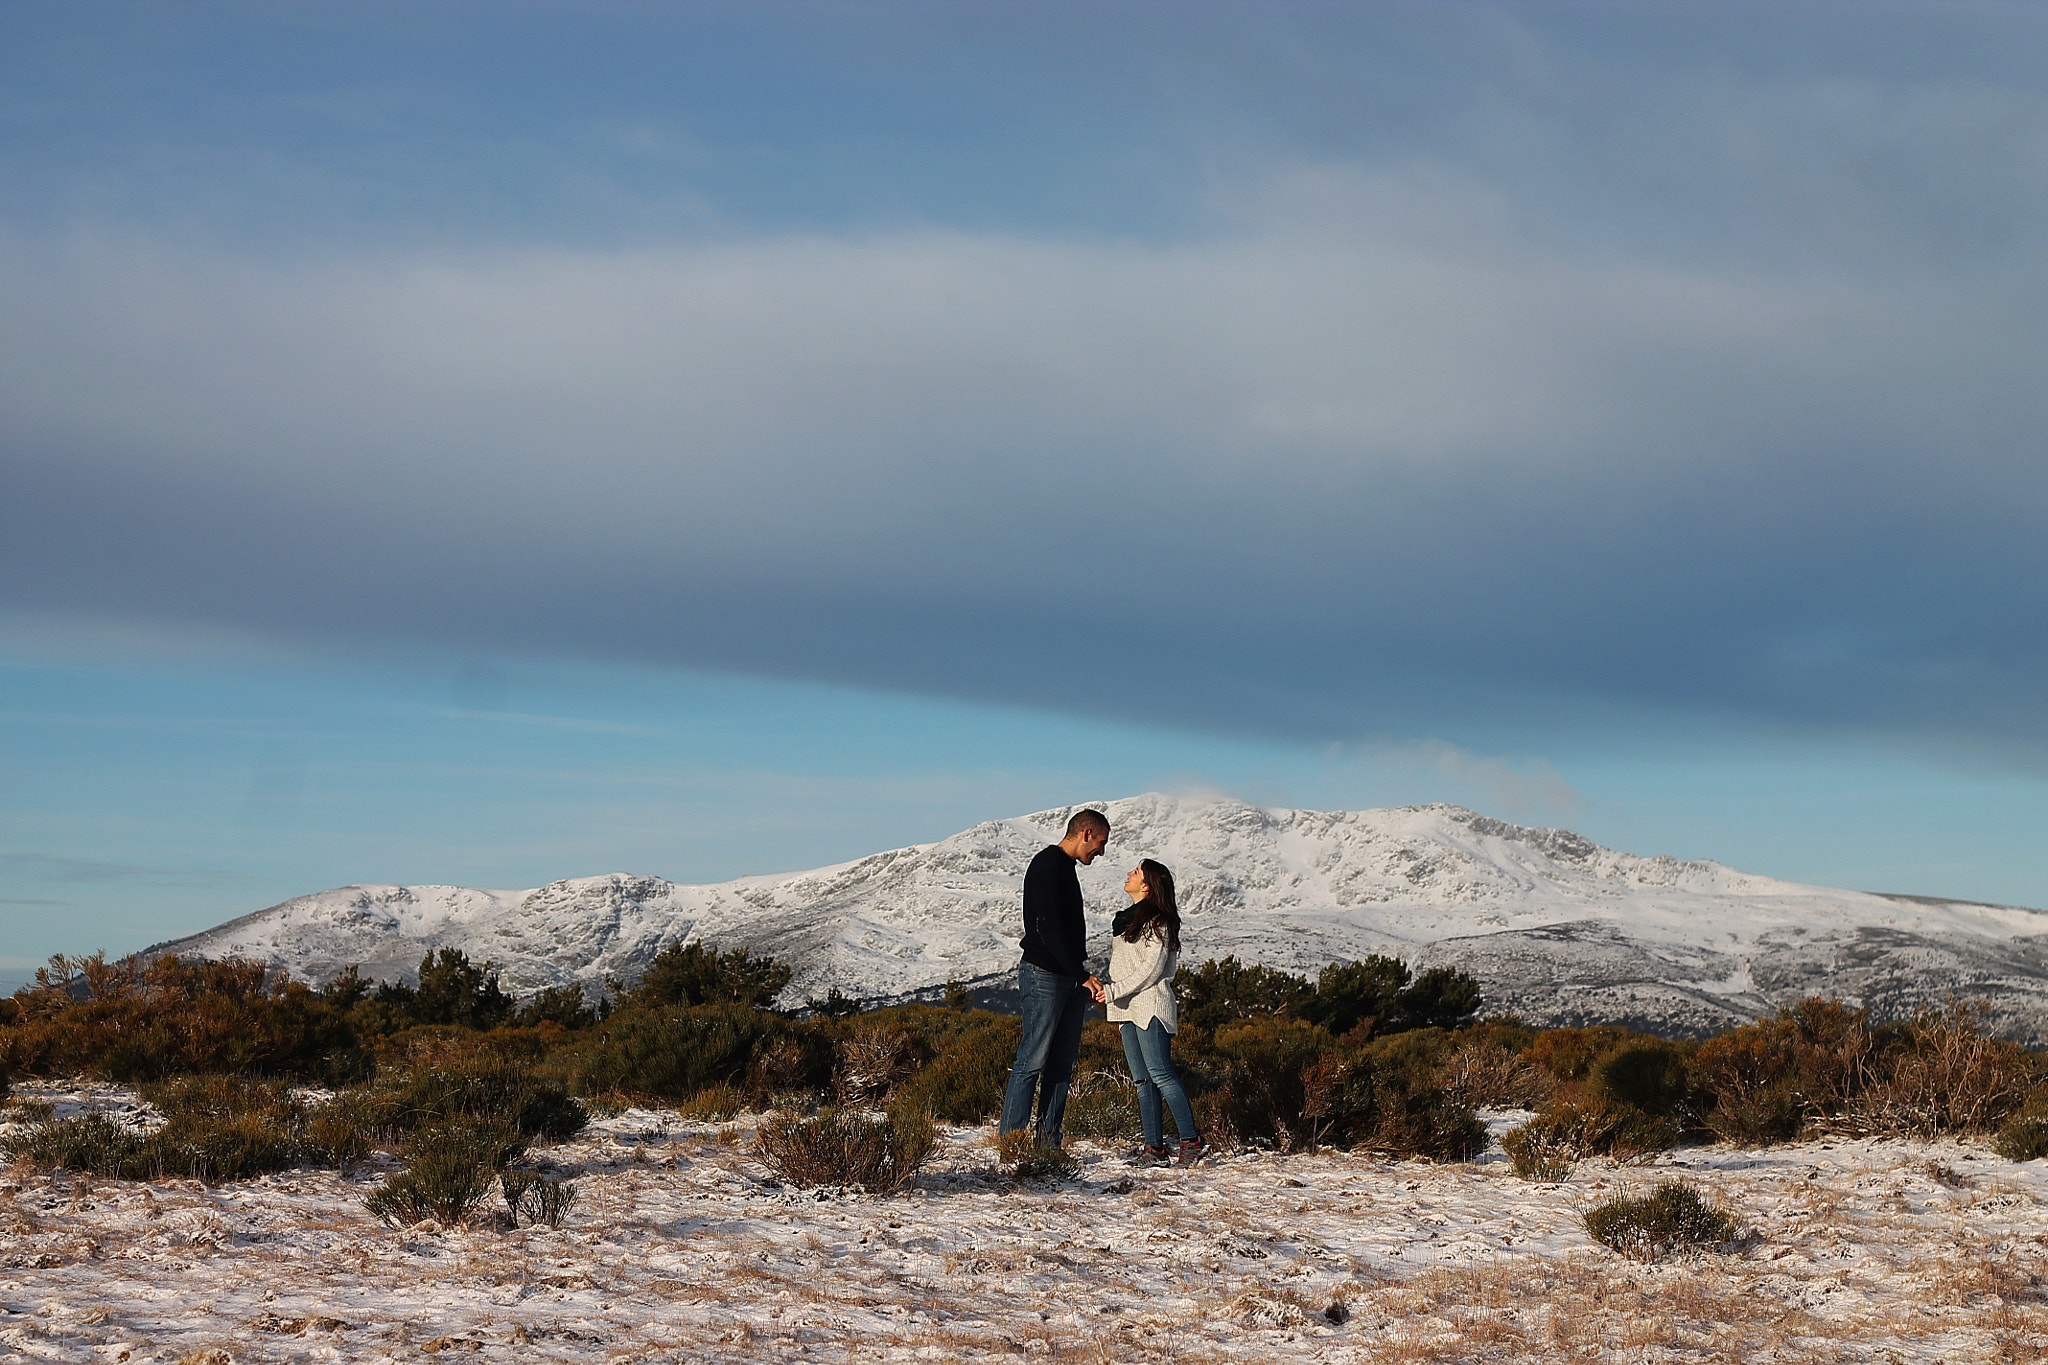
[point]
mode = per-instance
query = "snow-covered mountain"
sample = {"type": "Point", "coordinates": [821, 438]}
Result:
{"type": "Point", "coordinates": [1553, 926]}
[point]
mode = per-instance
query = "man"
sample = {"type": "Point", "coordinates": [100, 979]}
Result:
{"type": "Point", "coordinates": [1053, 981]}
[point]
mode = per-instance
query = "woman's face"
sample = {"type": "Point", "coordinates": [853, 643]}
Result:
{"type": "Point", "coordinates": [1134, 885]}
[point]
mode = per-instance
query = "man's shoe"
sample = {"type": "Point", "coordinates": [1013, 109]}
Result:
{"type": "Point", "coordinates": [1149, 1156]}
{"type": "Point", "coordinates": [1193, 1149]}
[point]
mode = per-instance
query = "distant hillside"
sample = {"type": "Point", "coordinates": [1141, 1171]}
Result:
{"type": "Point", "coordinates": [1555, 927]}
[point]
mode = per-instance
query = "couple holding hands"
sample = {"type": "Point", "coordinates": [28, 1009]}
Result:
{"type": "Point", "coordinates": [1056, 990]}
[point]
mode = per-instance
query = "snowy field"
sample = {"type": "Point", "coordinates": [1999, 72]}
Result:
{"type": "Point", "coordinates": [680, 1248]}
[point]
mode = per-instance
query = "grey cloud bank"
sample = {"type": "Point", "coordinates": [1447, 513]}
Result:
{"type": "Point", "coordinates": [1541, 414]}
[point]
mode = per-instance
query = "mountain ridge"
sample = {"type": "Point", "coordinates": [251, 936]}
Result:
{"type": "Point", "coordinates": [1555, 926]}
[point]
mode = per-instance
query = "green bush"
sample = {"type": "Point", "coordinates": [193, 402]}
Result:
{"type": "Point", "coordinates": [486, 1093]}
{"type": "Point", "coordinates": [838, 1147]}
{"type": "Point", "coordinates": [674, 1054]}
{"type": "Point", "coordinates": [341, 1131]}
{"type": "Point", "coordinates": [448, 1173]}
{"type": "Point", "coordinates": [1549, 1145]}
{"type": "Point", "coordinates": [534, 1197]}
{"type": "Point", "coordinates": [1028, 1159]}
{"type": "Point", "coordinates": [1103, 1105]}
{"type": "Point", "coordinates": [212, 1148]}
{"type": "Point", "coordinates": [1650, 1076]}
{"type": "Point", "coordinates": [713, 1104]}
{"type": "Point", "coordinates": [1349, 994]}
{"type": "Point", "coordinates": [700, 975]}
{"type": "Point", "coordinates": [1224, 991]}
{"type": "Point", "coordinates": [2022, 1139]}
{"type": "Point", "coordinates": [1284, 1086]}
{"type": "Point", "coordinates": [230, 1147]}
{"type": "Point", "coordinates": [93, 1143]}
{"type": "Point", "coordinates": [965, 1082]}
{"type": "Point", "coordinates": [563, 1005]}
{"type": "Point", "coordinates": [1769, 1080]}
{"type": "Point", "coordinates": [1288, 1083]}
{"type": "Point", "coordinates": [1671, 1219]}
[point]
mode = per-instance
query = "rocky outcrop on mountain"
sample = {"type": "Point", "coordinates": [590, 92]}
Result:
{"type": "Point", "coordinates": [1555, 927]}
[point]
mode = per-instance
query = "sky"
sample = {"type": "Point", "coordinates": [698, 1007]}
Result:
{"type": "Point", "coordinates": [488, 443]}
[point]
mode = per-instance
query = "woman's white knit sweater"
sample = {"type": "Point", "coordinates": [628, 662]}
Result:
{"type": "Point", "coordinates": [1141, 980]}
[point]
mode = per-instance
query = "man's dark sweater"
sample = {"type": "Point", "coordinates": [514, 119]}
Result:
{"type": "Point", "coordinates": [1055, 931]}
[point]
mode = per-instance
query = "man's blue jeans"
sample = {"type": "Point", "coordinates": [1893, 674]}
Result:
{"type": "Point", "coordinates": [1054, 1008]}
{"type": "Point", "coordinates": [1149, 1051]}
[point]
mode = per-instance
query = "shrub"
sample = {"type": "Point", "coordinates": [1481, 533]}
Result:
{"type": "Point", "coordinates": [1423, 1122]}
{"type": "Point", "coordinates": [93, 1143]}
{"type": "Point", "coordinates": [229, 1147]}
{"type": "Point", "coordinates": [1549, 1145]}
{"type": "Point", "coordinates": [674, 1054]}
{"type": "Point", "coordinates": [487, 1093]}
{"type": "Point", "coordinates": [1028, 1159]}
{"type": "Point", "coordinates": [340, 1131]}
{"type": "Point", "coordinates": [1442, 997]}
{"type": "Point", "coordinates": [873, 1061]}
{"type": "Point", "coordinates": [1488, 1076]}
{"type": "Point", "coordinates": [1569, 1054]}
{"type": "Point", "coordinates": [1223, 991]}
{"type": "Point", "coordinates": [1270, 1095]}
{"type": "Point", "coordinates": [1350, 994]}
{"type": "Point", "coordinates": [2022, 1139]}
{"type": "Point", "coordinates": [1103, 1105]}
{"type": "Point", "coordinates": [699, 975]}
{"type": "Point", "coordinates": [563, 1005]}
{"type": "Point", "coordinates": [1672, 1219]}
{"type": "Point", "coordinates": [453, 990]}
{"type": "Point", "coordinates": [449, 1172]}
{"type": "Point", "coordinates": [135, 1021]}
{"type": "Point", "coordinates": [965, 1082]}
{"type": "Point", "coordinates": [1770, 1080]}
{"type": "Point", "coordinates": [1947, 1075]}
{"type": "Point", "coordinates": [210, 1147]}
{"type": "Point", "coordinates": [877, 1153]}
{"type": "Point", "coordinates": [534, 1197]}
{"type": "Point", "coordinates": [1650, 1076]}
{"type": "Point", "coordinates": [713, 1104]}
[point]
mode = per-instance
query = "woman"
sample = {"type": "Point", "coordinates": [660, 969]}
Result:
{"type": "Point", "coordinates": [1142, 959]}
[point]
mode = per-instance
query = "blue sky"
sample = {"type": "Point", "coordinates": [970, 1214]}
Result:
{"type": "Point", "coordinates": [490, 443]}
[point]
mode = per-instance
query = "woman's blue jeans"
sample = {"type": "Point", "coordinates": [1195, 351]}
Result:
{"type": "Point", "coordinates": [1054, 1007]}
{"type": "Point", "coordinates": [1149, 1050]}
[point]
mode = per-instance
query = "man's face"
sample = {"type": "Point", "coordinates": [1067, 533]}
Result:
{"type": "Point", "coordinates": [1093, 841]}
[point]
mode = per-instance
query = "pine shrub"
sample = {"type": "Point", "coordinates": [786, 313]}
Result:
{"type": "Point", "coordinates": [484, 1092]}
{"type": "Point", "coordinates": [965, 1082]}
{"type": "Point", "coordinates": [2022, 1139]}
{"type": "Point", "coordinates": [1551, 1144]}
{"type": "Point", "coordinates": [91, 1143]}
{"type": "Point", "coordinates": [675, 1053]}
{"type": "Point", "coordinates": [713, 1104]}
{"type": "Point", "coordinates": [1489, 1076]}
{"type": "Point", "coordinates": [1029, 1159]}
{"type": "Point", "coordinates": [1673, 1219]}
{"type": "Point", "coordinates": [536, 1198]}
{"type": "Point", "coordinates": [1946, 1074]}
{"type": "Point", "coordinates": [448, 1173]}
{"type": "Point", "coordinates": [879, 1153]}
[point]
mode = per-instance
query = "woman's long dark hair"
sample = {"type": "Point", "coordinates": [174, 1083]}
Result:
{"type": "Point", "coordinates": [1158, 907]}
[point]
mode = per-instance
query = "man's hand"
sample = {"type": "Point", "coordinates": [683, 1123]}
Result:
{"type": "Point", "coordinates": [1097, 989]}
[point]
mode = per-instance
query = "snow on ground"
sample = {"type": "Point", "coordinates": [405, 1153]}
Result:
{"type": "Point", "coordinates": [681, 1248]}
